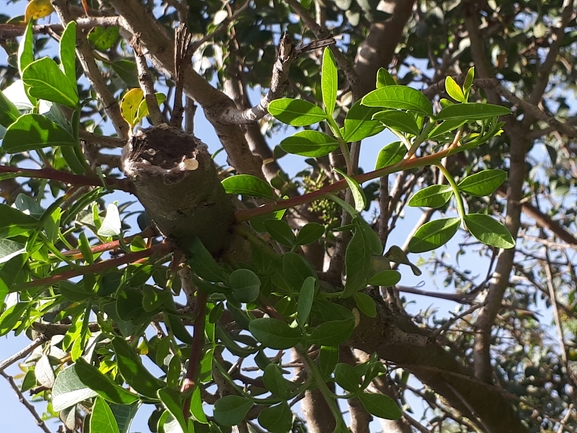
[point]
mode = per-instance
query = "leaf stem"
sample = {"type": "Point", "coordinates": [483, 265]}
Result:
{"type": "Point", "coordinates": [342, 144]}
{"type": "Point", "coordinates": [455, 188]}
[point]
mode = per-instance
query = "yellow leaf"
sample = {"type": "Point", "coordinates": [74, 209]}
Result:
{"type": "Point", "coordinates": [129, 105]}
{"type": "Point", "coordinates": [38, 9]}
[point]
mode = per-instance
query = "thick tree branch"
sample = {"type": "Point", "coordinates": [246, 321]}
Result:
{"type": "Point", "coordinates": [379, 46]}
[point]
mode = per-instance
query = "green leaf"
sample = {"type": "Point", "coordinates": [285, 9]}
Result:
{"type": "Point", "coordinates": [11, 316]}
{"type": "Point", "coordinates": [332, 333]}
{"type": "Point", "coordinates": [330, 81]}
{"type": "Point", "coordinates": [275, 382]}
{"type": "Point", "coordinates": [275, 334]}
{"type": "Point", "coordinates": [453, 90]}
{"type": "Point", "coordinates": [127, 71]}
{"type": "Point", "coordinates": [203, 264]}
{"type": "Point", "coordinates": [245, 285]}
{"type": "Point", "coordinates": [469, 79]}
{"type": "Point", "coordinates": [68, 52]}
{"type": "Point", "coordinates": [143, 111]}
{"type": "Point", "coordinates": [276, 419]}
{"type": "Point", "coordinates": [280, 232]}
{"type": "Point", "coordinates": [69, 390]}
{"type": "Point", "coordinates": [356, 191]}
{"type": "Point", "coordinates": [328, 358]}
{"type": "Point", "coordinates": [170, 399]}
{"type": "Point", "coordinates": [433, 234]}
{"type": "Point", "coordinates": [474, 111]}
{"type": "Point", "coordinates": [168, 424]}
{"type": "Point", "coordinates": [296, 112]}
{"type": "Point", "coordinates": [309, 143]}
{"type": "Point", "coordinates": [366, 304]}
{"type": "Point", "coordinates": [399, 98]}
{"type": "Point", "coordinates": [124, 415]}
{"type": "Point", "coordinates": [8, 111]}
{"type": "Point", "coordinates": [249, 185]}
{"type": "Point", "coordinates": [103, 38]}
{"type": "Point", "coordinates": [111, 225]}
{"type": "Point", "coordinates": [309, 233]}
{"type": "Point", "coordinates": [357, 263]}
{"type": "Point", "coordinates": [386, 277]}
{"type": "Point", "coordinates": [305, 301]}
{"type": "Point", "coordinates": [46, 81]}
{"type": "Point", "coordinates": [483, 183]}
{"type": "Point", "coordinates": [9, 249]}
{"type": "Point", "coordinates": [102, 419]}
{"type": "Point", "coordinates": [296, 269]}
{"type": "Point", "coordinates": [26, 49]}
{"type": "Point", "coordinates": [106, 388]}
{"type": "Point", "coordinates": [446, 126]}
{"type": "Point", "coordinates": [390, 155]}
{"type": "Point", "coordinates": [398, 120]}
{"type": "Point", "coordinates": [231, 410]}
{"type": "Point", "coordinates": [489, 231]}
{"type": "Point", "coordinates": [347, 377]}
{"type": "Point", "coordinates": [359, 124]}
{"type": "Point", "coordinates": [13, 222]}
{"type": "Point", "coordinates": [381, 406]}
{"type": "Point", "coordinates": [434, 196]}
{"type": "Point", "coordinates": [384, 78]}
{"type": "Point", "coordinates": [34, 131]}
{"type": "Point", "coordinates": [133, 371]}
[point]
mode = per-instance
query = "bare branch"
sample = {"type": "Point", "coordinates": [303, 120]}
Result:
{"type": "Point", "coordinates": [38, 341]}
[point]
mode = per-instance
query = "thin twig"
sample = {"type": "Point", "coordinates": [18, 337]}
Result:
{"type": "Point", "coordinates": [38, 341]}
{"type": "Point", "coordinates": [26, 403]}
{"type": "Point", "coordinates": [145, 81]}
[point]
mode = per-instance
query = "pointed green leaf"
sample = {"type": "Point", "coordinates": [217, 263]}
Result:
{"type": "Point", "coordinates": [296, 112]}
{"type": "Point", "coordinates": [356, 191]}
{"type": "Point", "coordinates": [280, 232]}
{"type": "Point", "coordinates": [483, 183]}
{"type": "Point", "coordinates": [446, 126]}
{"type": "Point", "coordinates": [124, 415]}
{"type": "Point", "coordinates": [231, 410]}
{"type": "Point", "coordinates": [469, 79]}
{"type": "Point", "coordinates": [106, 388]}
{"type": "Point", "coordinates": [26, 49]}
{"type": "Point", "coordinates": [13, 222]}
{"type": "Point", "coordinates": [357, 264]}
{"type": "Point", "coordinates": [366, 304]}
{"type": "Point", "coordinates": [34, 131]}
{"type": "Point", "coordinates": [309, 233]}
{"type": "Point", "coordinates": [276, 419]}
{"type": "Point", "coordinates": [470, 112]}
{"type": "Point", "coordinates": [103, 38]}
{"type": "Point", "coordinates": [46, 81]}
{"type": "Point", "coordinates": [102, 419]}
{"type": "Point", "coordinates": [203, 264]}
{"type": "Point", "coordinates": [171, 400]}
{"type": "Point", "coordinates": [9, 249]}
{"type": "Point", "coordinates": [11, 317]}
{"type": "Point", "coordinates": [489, 231]}
{"type": "Point", "coordinates": [330, 81]}
{"type": "Point", "coordinates": [133, 371]}
{"type": "Point", "coordinates": [142, 111]}
{"type": "Point", "coordinates": [68, 52]}
{"type": "Point", "coordinates": [399, 98]}
{"type": "Point", "coordinates": [384, 78]}
{"type": "Point", "coordinates": [8, 111]}
{"type": "Point", "coordinates": [453, 90]}
{"type": "Point", "coordinates": [275, 334]}
{"type": "Point", "coordinates": [305, 301]}
{"type": "Point", "coordinates": [390, 155]}
{"type": "Point", "coordinates": [380, 405]}
{"type": "Point", "coordinates": [245, 285]}
{"type": "Point", "coordinates": [433, 234]}
{"type": "Point", "coordinates": [332, 333]}
{"type": "Point", "coordinates": [398, 120]}
{"type": "Point", "coordinates": [359, 124]}
{"type": "Point", "coordinates": [296, 269]}
{"type": "Point", "coordinates": [309, 143]}
{"type": "Point", "coordinates": [249, 185]}
{"type": "Point", "coordinates": [434, 196]}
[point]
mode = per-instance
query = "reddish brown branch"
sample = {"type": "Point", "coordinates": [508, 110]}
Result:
{"type": "Point", "coordinates": [157, 250]}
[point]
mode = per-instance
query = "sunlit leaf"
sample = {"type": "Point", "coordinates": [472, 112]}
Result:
{"type": "Point", "coordinates": [249, 185]}
{"type": "Point", "coordinates": [400, 98]}
{"type": "Point", "coordinates": [309, 143]}
{"type": "Point", "coordinates": [329, 81]}
{"type": "Point", "coordinates": [489, 231]}
{"type": "Point", "coordinates": [433, 234]}
{"type": "Point", "coordinates": [296, 112]}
